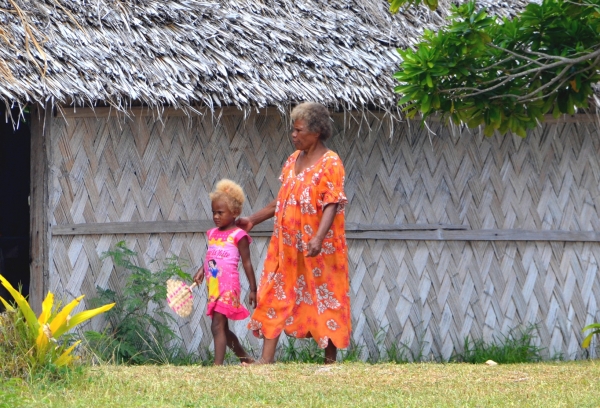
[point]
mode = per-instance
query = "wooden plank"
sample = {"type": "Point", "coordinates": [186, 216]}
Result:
{"type": "Point", "coordinates": [480, 235]}
{"type": "Point", "coordinates": [157, 227]}
{"type": "Point", "coordinates": [3, 292]}
{"type": "Point", "coordinates": [419, 232]}
{"type": "Point", "coordinates": [522, 235]}
{"type": "Point", "coordinates": [150, 227]}
{"type": "Point", "coordinates": [41, 123]}
{"type": "Point", "coordinates": [353, 226]}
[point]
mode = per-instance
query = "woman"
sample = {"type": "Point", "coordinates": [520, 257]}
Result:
{"type": "Point", "coordinates": [304, 285]}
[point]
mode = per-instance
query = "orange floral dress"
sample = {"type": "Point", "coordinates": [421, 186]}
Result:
{"type": "Point", "coordinates": [306, 296]}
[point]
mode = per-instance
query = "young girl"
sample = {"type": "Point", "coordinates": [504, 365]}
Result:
{"type": "Point", "coordinates": [226, 244]}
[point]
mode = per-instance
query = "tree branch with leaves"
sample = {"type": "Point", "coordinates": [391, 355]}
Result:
{"type": "Point", "coordinates": [502, 74]}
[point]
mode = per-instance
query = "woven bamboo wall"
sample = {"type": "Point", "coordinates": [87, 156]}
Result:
{"type": "Point", "coordinates": [427, 295]}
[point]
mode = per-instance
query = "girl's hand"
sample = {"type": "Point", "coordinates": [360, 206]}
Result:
{"type": "Point", "coordinates": [244, 248]}
{"type": "Point", "coordinates": [199, 276]}
{"type": "Point", "coordinates": [252, 299]}
{"type": "Point", "coordinates": [313, 248]}
{"type": "Point", "coordinates": [244, 223]}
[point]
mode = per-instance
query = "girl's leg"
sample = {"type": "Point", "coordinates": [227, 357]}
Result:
{"type": "Point", "coordinates": [330, 353]}
{"type": "Point", "coordinates": [234, 344]}
{"type": "Point", "coordinates": [219, 330]}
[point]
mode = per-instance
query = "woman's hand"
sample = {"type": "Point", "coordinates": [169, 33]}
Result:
{"type": "Point", "coordinates": [252, 299]}
{"type": "Point", "coordinates": [244, 223]}
{"type": "Point", "coordinates": [199, 276]}
{"type": "Point", "coordinates": [247, 223]}
{"type": "Point", "coordinates": [313, 248]}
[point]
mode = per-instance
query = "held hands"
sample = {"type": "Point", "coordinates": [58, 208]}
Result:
{"type": "Point", "coordinates": [199, 276]}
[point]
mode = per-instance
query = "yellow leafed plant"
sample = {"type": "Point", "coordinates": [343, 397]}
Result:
{"type": "Point", "coordinates": [43, 332]}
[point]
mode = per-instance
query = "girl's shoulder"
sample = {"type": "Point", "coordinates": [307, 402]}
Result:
{"type": "Point", "coordinates": [237, 234]}
{"type": "Point", "coordinates": [232, 236]}
{"type": "Point", "coordinates": [211, 232]}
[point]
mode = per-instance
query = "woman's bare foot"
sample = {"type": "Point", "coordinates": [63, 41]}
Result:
{"type": "Point", "coordinates": [258, 361]}
{"type": "Point", "coordinates": [247, 360]}
{"type": "Point", "coordinates": [330, 353]}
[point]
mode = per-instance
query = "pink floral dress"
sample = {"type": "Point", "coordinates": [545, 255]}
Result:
{"type": "Point", "coordinates": [221, 273]}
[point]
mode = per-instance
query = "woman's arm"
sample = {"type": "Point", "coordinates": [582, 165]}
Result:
{"type": "Point", "coordinates": [244, 248]}
{"type": "Point", "coordinates": [314, 245]}
{"type": "Point", "coordinates": [246, 223]}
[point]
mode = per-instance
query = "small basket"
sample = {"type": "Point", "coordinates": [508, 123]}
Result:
{"type": "Point", "coordinates": [179, 297]}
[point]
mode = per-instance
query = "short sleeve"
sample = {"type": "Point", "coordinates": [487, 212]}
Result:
{"type": "Point", "coordinates": [331, 183]}
{"type": "Point", "coordinates": [241, 234]}
{"type": "Point", "coordinates": [210, 232]}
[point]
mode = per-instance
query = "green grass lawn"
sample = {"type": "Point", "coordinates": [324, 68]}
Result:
{"type": "Point", "coordinates": [566, 384]}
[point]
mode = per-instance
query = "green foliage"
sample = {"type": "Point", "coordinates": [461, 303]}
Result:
{"type": "Point", "coordinates": [29, 345]}
{"type": "Point", "coordinates": [138, 327]}
{"type": "Point", "coordinates": [397, 352]}
{"type": "Point", "coordinates": [11, 393]}
{"type": "Point", "coordinates": [401, 353]}
{"type": "Point", "coordinates": [14, 345]}
{"type": "Point", "coordinates": [517, 347]}
{"type": "Point", "coordinates": [302, 351]}
{"type": "Point", "coordinates": [353, 353]}
{"type": "Point", "coordinates": [595, 329]}
{"type": "Point", "coordinates": [395, 5]}
{"type": "Point", "coordinates": [505, 75]}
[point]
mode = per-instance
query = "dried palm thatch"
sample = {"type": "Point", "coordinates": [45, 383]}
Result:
{"type": "Point", "coordinates": [245, 53]}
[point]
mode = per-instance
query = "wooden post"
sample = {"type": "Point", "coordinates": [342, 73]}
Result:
{"type": "Point", "coordinates": [39, 246]}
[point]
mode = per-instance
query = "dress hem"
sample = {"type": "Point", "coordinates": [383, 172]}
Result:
{"type": "Point", "coordinates": [240, 313]}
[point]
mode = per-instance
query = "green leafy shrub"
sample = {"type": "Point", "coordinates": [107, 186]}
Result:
{"type": "Point", "coordinates": [28, 344]}
{"type": "Point", "coordinates": [595, 329]}
{"type": "Point", "coordinates": [138, 329]}
{"type": "Point", "coordinates": [517, 347]}
{"type": "Point", "coordinates": [503, 74]}
{"type": "Point", "coordinates": [395, 5]}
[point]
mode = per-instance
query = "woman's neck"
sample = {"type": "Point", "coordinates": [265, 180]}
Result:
{"type": "Point", "coordinates": [309, 157]}
{"type": "Point", "coordinates": [315, 151]}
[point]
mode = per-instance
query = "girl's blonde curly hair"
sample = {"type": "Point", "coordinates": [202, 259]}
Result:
{"type": "Point", "coordinates": [230, 192]}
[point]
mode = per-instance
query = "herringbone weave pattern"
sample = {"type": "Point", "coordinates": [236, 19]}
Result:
{"type": "Point", "coordinates": [426, 295]}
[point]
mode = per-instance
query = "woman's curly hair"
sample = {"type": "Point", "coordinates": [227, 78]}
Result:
{"type": "Point", "coordinates": [230, 192]}
{"type": "Point", "coordinates": [316, 117]}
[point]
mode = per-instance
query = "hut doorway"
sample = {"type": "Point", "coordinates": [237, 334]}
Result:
{"type": "Point", "coordinates": [15, 145]}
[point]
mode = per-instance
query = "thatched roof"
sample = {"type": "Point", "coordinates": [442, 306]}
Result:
{"type": "Point", "coordinates": [225, 52]}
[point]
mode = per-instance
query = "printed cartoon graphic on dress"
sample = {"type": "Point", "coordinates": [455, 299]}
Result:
{"type": "Point", "coordinates": [213, 280]}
